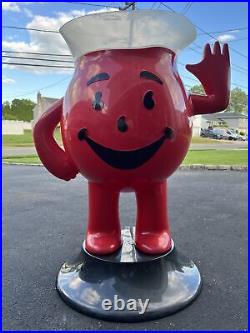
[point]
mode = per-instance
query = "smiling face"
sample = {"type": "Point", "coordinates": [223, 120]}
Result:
{"type": "Point", "coordinates": [125, 116]}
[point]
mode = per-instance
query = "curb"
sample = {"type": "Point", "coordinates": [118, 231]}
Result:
{"type": "Point", "coordinates": [214, 167]}
{"type": "Point", "coordinates": [26, 164]}
{"type": "Point", "coordinates": [181, 167]}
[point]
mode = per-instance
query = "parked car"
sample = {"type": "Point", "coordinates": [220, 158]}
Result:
{"type": "Point", "coordinates": [231, 135]}
{"type": "Point", "coordinates": [242, 137]}
{"type": "Point", "coordinates": [219, 133]}
{"type": "Point", "coordinates": [235, 133]}
{"type": "Point", "coordinates": [207, 133]}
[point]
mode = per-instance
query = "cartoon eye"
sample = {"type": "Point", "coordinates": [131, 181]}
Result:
{"type": "Point", "coordinates": [97, 103]}
{"type": "Point", "coordinates": [148, 100]}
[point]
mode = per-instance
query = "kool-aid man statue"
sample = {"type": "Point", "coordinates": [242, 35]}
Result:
{"type": "Point", "coordinates": [126, 124]}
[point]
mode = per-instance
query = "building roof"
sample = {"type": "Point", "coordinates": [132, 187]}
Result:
{"type": "Point", "coordinates": [225, 115]}
{"type": "Point", "coordinates": [49, 99]}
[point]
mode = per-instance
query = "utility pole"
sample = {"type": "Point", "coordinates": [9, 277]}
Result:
{"type": "Point", "coordinates": [128, 5]}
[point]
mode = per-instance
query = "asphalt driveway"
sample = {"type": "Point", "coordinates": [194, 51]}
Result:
{"type": "Point", "coordinates": [44, 222]}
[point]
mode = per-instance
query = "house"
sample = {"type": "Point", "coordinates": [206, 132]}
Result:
{"type": "Point", "coordinates": [235, 120]}
{"type": "Point", "coordinates": [42, 105]}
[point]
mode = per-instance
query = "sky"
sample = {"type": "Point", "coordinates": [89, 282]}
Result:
{"type": "Point", "coordinates": [225, 21]}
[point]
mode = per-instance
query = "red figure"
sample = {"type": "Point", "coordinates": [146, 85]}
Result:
{"type": "Point", "coordinates": [125, 123]}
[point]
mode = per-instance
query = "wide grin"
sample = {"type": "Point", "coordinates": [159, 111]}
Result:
{"type": "Point", "coordinates": [125, 160]}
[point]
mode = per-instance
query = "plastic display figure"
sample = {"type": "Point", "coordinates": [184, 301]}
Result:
{"type": "Point", "coordinates": [126, 119]}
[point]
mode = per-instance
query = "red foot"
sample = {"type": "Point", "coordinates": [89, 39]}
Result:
{"type": "Point", "coordinates": [153, 243]}
{"type": "Point", "coordinates": [101, 243]}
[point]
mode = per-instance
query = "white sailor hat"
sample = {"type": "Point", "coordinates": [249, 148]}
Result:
{"type": "Point", "coordinates": [127, 30]}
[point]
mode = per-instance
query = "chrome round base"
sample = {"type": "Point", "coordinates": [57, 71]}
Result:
{"type": "Point", "coordinates": [129, 286]}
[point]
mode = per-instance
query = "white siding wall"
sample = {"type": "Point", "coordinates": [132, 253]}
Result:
{"type": "Point", "coordinates": [15, 127]}
{"type": "Point", "coordinates": [198, 123]}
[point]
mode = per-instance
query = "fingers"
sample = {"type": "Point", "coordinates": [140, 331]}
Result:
{"type": "Point", "coordinates": [217, 50]}
{"type": "Point", "coordinates": [207, 51]}
{"type": "Point", "coordinates": [225, 52]}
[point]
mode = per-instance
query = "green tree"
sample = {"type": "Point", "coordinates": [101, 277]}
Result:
{"type": "Point", "coordinates": [238, 101]}
{"type": "Point", "coordinates": [198, 89]}
{"type": "Point", "coordinates": [19, 109]}
{"type": "Point", "coordinates": [6, 113]}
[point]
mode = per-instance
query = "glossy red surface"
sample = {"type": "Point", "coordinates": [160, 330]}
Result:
{"type": "Point", "coordinates": [128, 132]}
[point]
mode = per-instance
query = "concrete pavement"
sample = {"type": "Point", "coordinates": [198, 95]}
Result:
{"type": "Point", "coordinates": [17, 151]}
{"type": "Point", "coordinates": [44, 220]}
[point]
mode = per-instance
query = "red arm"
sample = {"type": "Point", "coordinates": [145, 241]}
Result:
{"type": "Point", "coordinates": [55, 159]}
{"type": "Point", "coordinates": [214, 74]}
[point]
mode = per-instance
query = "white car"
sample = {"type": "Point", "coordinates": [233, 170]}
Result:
{"type": "Point", "coordinates": [219, 133]}
{"type": "Point", "coordinates": [230, 135]}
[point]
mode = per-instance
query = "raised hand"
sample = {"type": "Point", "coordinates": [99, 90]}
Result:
{"type": "Point", "coordinates": [214, 74]}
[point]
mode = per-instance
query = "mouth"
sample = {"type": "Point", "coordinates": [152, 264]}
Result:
{"type": "Point", "coordinates": [125, 159]}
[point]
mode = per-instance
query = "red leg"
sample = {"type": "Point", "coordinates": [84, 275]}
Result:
{"type": "Point", "coordinates": [152, 234]}
{"type": "Point", "coordinates": [104, 232]}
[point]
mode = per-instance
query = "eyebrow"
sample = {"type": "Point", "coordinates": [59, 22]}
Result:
{"type": "Point", "coordinates": [98, 77]}
{"type": "Point", "coordinates": [150, 76]}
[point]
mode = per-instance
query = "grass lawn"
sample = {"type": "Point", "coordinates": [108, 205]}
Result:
{"type": "Point", "coordinates": [30, 159]}
{"type": "Point", "coordinates": [209, 157]}
{"type": "Point", "coordinates": [216, 157]}
{"type": "Point", "coordinates": [25, 140]}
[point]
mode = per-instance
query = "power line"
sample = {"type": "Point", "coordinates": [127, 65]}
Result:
{"type": "Point", "coordinates": [187, 7]}
{"type": "Point", "coordinates": [68, 67]}
{"type": "Point", "coordinates": [153, 4]}
{"type": "Point", "coordinates": [238, 85]}
{"type": "Point", "coordinates": [91, 4]}
{"type": "Point", "coordinates": [240, 70]}
{"type": "Point", "coordinates": [128, 5]}
{"type": "Point", "coordinates": [229, 41]}
{"type": "Point", "coordinates": [40, 53]}
{"type": "Point", "coordinates": [222, 31]}
{"type": "Point", "coordinates": [205, 32]}
{"type": "Point", "coordinates": [184, 8]}
{"type": "Point", "coordinates": [210, 35]}
{"type": "Point", "coordinates": [35, 65]}
{"type": "Point", "coordinates": [240, 67]}
{"type": "Point", "coordinates": [42, 59]}
{"type": "Point", "coordinates": [53, 66]}
{"type": "Point", "coordinates": [36, 90]}
{"type": "Point", "coordinates": [161, 3]}
{"type": "Point", "coordinates": [82, 3]}
{"type": "Point", "coordinates": [195, 80]}
{"type": "Point", "coordinates": [29, 29]}
{"type": "Point", "coordinates": [171, 9]}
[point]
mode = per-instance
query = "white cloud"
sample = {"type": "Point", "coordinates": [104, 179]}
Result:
{"type": "Point", "coordinates": [225, 38]}
{"type": "Point", "coordinates": [233, 31]}
{"type": "Point", "coordinates": [11, 6]}
{"type": "Point", "coordinates": [45, 42]}
{"type": "Point", "coordinates": [7, 81]}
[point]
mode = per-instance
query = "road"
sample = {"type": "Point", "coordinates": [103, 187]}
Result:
{"type": "Point", "coordinates": [21, 151]}
{"type": "Point", "coordinates": [44, 221]}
